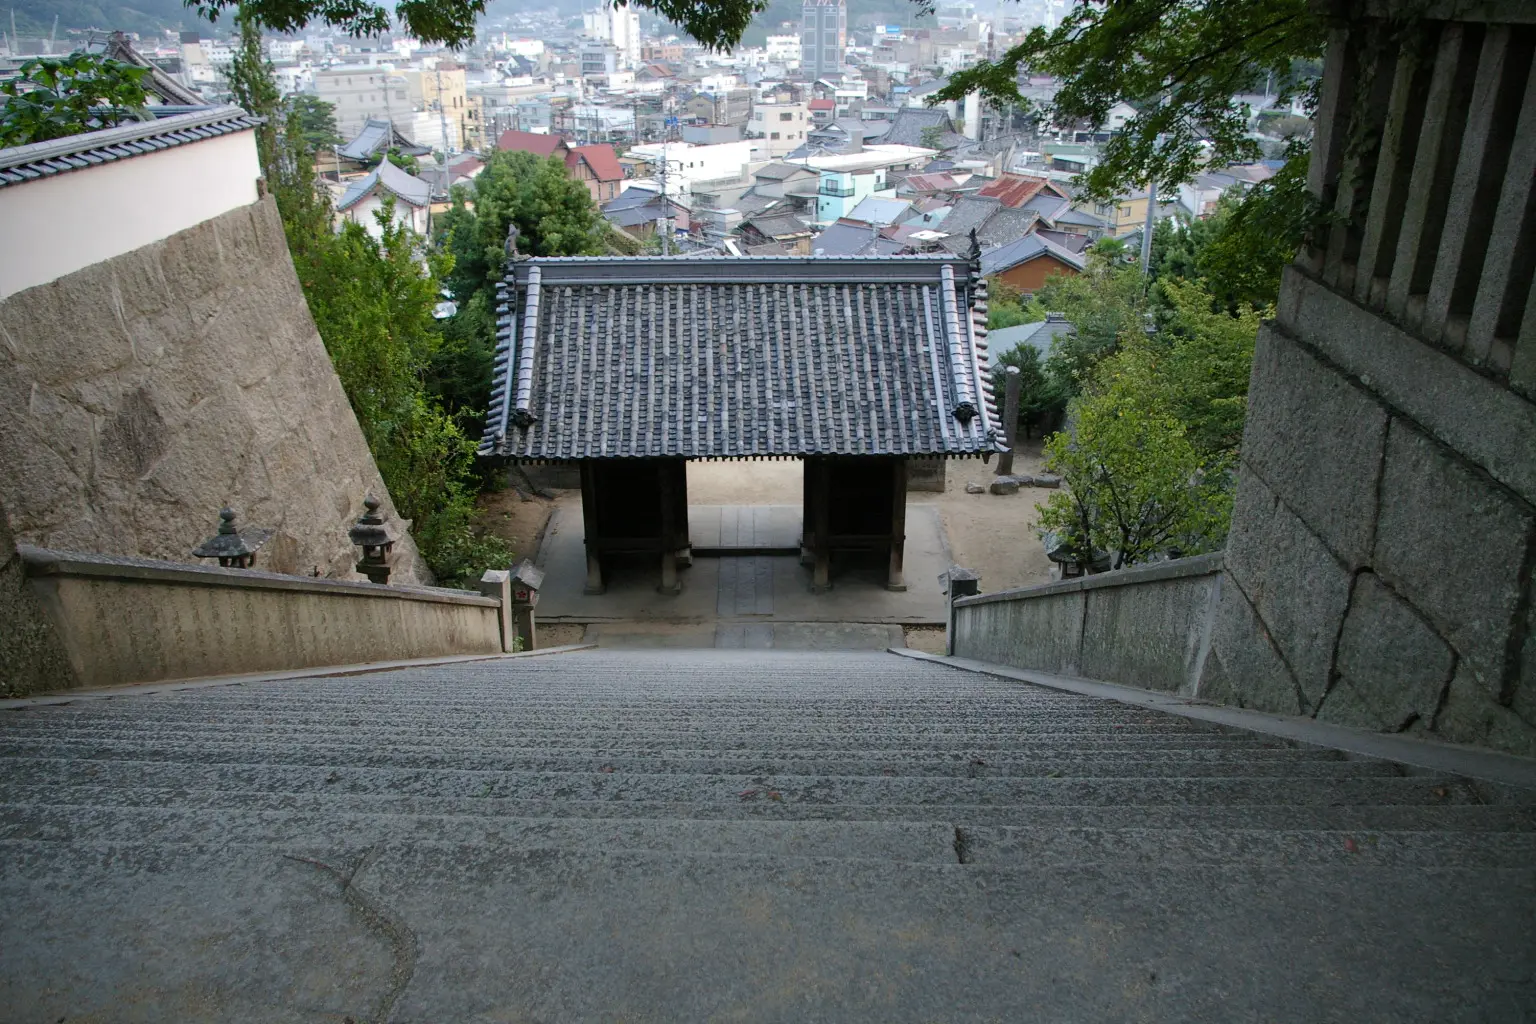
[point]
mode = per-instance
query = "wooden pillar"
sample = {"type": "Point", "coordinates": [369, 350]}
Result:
{"type": "Point", "coordinates": [821, 542]}
{"type": "Point", "coordinates": [684, 544]}
{"type": "Point", "coordinates": [589, 521]}
{"type": "Point", "coordinates": [807, 511]}
{"type": "Point", "coordinates": [894, 579]}
{"type": "Point", "coordinates": [666, 487]}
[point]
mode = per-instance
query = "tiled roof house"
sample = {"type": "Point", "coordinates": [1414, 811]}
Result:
{"type": "Point", "coordinates": [632, 365]}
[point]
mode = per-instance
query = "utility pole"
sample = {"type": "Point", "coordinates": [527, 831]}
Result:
{"type": "Point", "coordinates": [442, 113]}
{"type": "Point", "coordinates": [1146, 231]}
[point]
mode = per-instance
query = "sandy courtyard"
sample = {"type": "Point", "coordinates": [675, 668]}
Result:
{"type": "Point", "coordinates": [989, 533]}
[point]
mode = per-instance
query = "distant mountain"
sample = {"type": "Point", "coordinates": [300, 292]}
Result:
{"type": "Point", "coordinates": [34, 18]}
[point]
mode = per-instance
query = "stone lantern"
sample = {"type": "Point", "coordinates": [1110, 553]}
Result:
{"type": "Point", "coordinates": [374, 537]}
{"type": "Point", "coordinates": [233, 547]}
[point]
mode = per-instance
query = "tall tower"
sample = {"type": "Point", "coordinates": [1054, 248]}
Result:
{"type": "Point", "coordinates": [823, 38]}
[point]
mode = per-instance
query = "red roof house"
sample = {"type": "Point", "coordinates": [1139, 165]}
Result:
{"type": "Point", "coordinates": [1014, 190]}
{"type": "Point", "coordinates": [597, 167]}
{"type": "Point", "coordinates": [531, 142]}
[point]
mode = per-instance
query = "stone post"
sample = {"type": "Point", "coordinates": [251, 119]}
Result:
{"type": "Point", "coordinates": [497, 584]}
{"type": "Point", "coordinates": [958, 582]}
{"type": "Point", "coordinates": [1010, 420]}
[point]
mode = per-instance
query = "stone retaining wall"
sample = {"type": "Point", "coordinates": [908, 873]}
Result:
{"type": "Point", "coordinates": [101, 621]}
{"type": "Point", "coordinates": [1148, 626]}
{"type": "Point", "coordinates": [140, 395]}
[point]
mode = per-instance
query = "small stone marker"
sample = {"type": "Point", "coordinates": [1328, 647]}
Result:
{"type": "Point", "coordinates": [1005, 485]}
{"type": "Point", "coordinates": [1046, 480]}
{"type": "Point", "coordinates": [972, 487]}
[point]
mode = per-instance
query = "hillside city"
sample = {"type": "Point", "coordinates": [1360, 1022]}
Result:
{"type": "Point", "coordinates": [869, 511]}
{"type": "Point", "coordinates": [822, 140]}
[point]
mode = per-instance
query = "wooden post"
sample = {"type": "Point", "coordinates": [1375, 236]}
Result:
{"type": "Point", "coordinates": [679, 469]}
{"type": "Point", "coordinates": [807, 511]}
{"type": "Point", "coordinates": [821, 573]}
{"type": "Point", "coordinates": [894, 579]}
{"type": "Point", "coordinates": [1010, 420]}
{"type": "Point", "coordinates": [666, 486]}
{"type": "Point", "coordinates": [589, 499]}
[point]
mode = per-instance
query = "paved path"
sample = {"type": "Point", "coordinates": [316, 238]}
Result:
{"type": "Point", "coordinates": [734, 836]}
{"type": "Point", "coordinates": [764, 584]}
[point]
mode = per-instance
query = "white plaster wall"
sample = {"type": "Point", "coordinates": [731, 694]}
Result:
{"type": "Point", "coordinates": [56, 226]}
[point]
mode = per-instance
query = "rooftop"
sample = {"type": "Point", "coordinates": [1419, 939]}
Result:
{"type": "Point", "coordinates": [615, 357]}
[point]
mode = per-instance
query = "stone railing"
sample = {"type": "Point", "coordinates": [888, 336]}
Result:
{"type": "Point", "coordinates": [131, 620]}
{"type": "Point", "coordinates": [1424, 162]}
{"type": "Point", "coordinates": [1149, 626]}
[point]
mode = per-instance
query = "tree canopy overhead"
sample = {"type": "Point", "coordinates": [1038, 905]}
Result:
{"type": "Point", "coordinates": [1178, 62]}
{"type": "Point", "coordinates": [718, 24]}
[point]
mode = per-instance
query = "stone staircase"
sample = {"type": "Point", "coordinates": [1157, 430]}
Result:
{"type": "Point", "coordinates": [749, 835]}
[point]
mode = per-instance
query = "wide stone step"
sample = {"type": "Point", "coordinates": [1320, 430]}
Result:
{"type": "Point", "coordinates": [912, 841]}
{"type": "Point", "coordinates": [928, 842]}
{"type": "Point", "coordinates": [1256, 847]}
{"type": "Point", "coordinates": [759, 804]}
{"type": "Point", "coordinates": [1054, 764]}
{"type": "Point", "coordinates": [798, 789]}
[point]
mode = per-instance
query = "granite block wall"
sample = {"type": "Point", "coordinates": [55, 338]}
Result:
{"type": "Point", "coordinates": [140, 395]}
{"type": "Point", "coordinates": [1384, 534]}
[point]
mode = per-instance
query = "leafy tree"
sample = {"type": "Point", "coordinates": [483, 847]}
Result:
{"type": "Point", "coordinates": [372, 300]}
{"type": "Point", "coordinates": [1105, 304]}
{"type": "Point", "coordinates": [1135, 485]}
{"type": "Point", "coordinates": [55, 97]}
{"type": "Point", "coordinates": [715, 23]}
{"type": "Point", "coordinates": [1203, 367]}
{"type": "Point", "coordinates": [554, 215]}
{"type": "Point", "coordinates": [1179, 62]}
{"type": "Point", "coordinates": [316, 122]}
{"type": "Point", "coordinates": [1042, 395]}
{"type": "Point", "coordinates": [1007, 307]}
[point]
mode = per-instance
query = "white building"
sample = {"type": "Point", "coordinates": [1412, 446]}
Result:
{"type": "Point", "coordinates": [783, 48]}
{"type": "Point", "coordinates": [361, 92]}
{"type": "Point", "coordinates": [777, 128]}
{"type": "Point", "coordinates": [687, 163]}
{"type": "Point", "coordinates": [619, 26]}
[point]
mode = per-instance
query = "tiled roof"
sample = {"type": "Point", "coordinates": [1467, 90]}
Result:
{"type": "Point", "coordinates": [1025, 249]}
{"type": "Point", "coordinates": [779, 225]}
{"type": "Point", "coordinates": [821, 105]}
{"type": "Point", "coordinates": [601, 158]}
{"type": "Point", "coordinates": [530, 142]}
{"type": "Point", "coordinates": [377, 136]}
{"type": "Point", "coordinates": [615, 357]}
{"type": "Point", "coordinates": [930, 182]}
{"type": "Point", "coordinates": [59, 156]}
{"type": "Point", "coordinates": [401, 183]}
{"type": "Point", "coordinates": [1016, 189]}
{"type": "Point", "coordinates": [910, 123]}
{"type": "Point", "coordinates": [879, 211]}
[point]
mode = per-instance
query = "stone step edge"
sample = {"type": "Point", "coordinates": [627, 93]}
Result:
{"type": "Point", "coordinates": [313, 672]}
{"type": "Point", "coordinates": [1471, 762]}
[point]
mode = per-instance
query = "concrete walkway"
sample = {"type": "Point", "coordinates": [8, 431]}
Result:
{"type": "Point", "coordinates": [761, 585]}
{"type": "Point", "coordinates": [744, 836]}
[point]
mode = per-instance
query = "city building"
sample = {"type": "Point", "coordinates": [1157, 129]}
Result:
{"type": "Point", "coordinates": [777, 128]}
{"type": "Point", "coordinates": [823, 38]}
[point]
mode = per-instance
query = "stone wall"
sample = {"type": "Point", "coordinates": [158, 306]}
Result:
{"type": "Point", "coordinates": [140, 395]}
{"type": "Point", "coordinates": [1148, 626]}
{"type": "Point", "coordinates": [1383, 537]}
{"type": "Point", "coordinates": [135, 620]}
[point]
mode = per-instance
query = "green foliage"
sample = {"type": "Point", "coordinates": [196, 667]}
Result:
{"type": "Point", "coordinates": [55, 97]}
{"type": "Point", "coordinates": [554, 215]}
{"type": "Point", "coordinates": [1179, 63]}
{"type": "Point", "coordinates": [717, 24]}
{"type": "Point", "coordinates": [316, 122]}
{"type": "Point", "coordinates": [1042, 395]}
{"type": "Point", "coordinates": [1154, 438]}
{"type": "Point", "coordinates": [1006, 306]}
{"type": "Point", "coordinates": [372, 301]}
{"type": "Point", "coordinates": [1135, 484]}
{"type": "Point", "coordinates": [1105, 304]}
